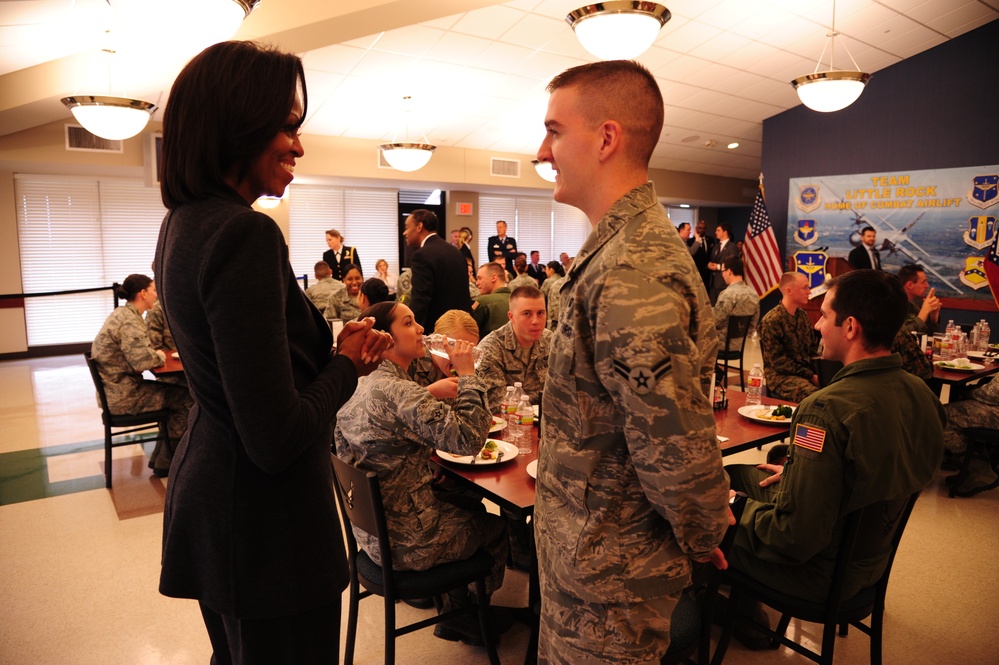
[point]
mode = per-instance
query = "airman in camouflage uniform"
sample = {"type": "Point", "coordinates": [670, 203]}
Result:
{"type": "Point", "coordinates": [391, 426]}
{"type": "Point", "coordinates": [341, 305]}
{"type": "Point", "coordinates": [522, 280]}
{"type": "Point", "coordinates": [159, 332]}
{"type": "Point", "coordinates": [630, 483]}
{"type": "Point", "coordinates": [324, 291]}
{"type": "Point", "coordinates": [788, 343]}
{"type": "Point", "coordinates": [504, 362]}
{"type": "Point", "coordinates": [123, 351]}
{"type": "Point", "coordinates": [737, 299]}
{"type": "Point", "coordinates": [554, 299]}
{"type": "Point", "coordinates": [404, 285]}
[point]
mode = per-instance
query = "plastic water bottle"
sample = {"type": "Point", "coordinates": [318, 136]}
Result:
{"type": "Point", "coordinates": [438, 344]}
{"type": "Point", "coordinates": [505, 405]}
{"type": "Point", "coordinates": [518, 392]}
{"type": "Point", "coordinates": [754, 387]}
{"type": "Point", "coordinates": [983, 335]}
{"type": "Point", "coordinates": [521, 426]}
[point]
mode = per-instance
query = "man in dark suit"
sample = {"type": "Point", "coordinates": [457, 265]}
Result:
{"type": "Point", "coordinates": [339, 256]}
{"type": "Point", "coordinates": [700, 246]}
{"type": "Point", "coordinates": [440, 273]}
{"type": "Point", "coordinates": [502, 245]}
{"type": "Point", "coordinates": [865, 256]}
{"type": "Point", "coordinates": [536, 269]}
{"type": "Point", "coordinates": [724, 251]}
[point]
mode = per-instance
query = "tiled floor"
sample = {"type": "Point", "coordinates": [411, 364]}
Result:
{"type": "Point", "coordinates": [79, 564]}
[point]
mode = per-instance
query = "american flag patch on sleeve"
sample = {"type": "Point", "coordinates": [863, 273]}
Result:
{"type": "Point", "coordinates": [809, 437]}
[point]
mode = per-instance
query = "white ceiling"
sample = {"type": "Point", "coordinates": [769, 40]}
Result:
{"type": "Point", "coordinates": [477, 69]}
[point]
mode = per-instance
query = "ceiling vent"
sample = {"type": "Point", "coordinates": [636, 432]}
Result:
{"type": "Point", "coordinates": [504, 168]}
{"type": "Point", "coordinates": [79, 139]}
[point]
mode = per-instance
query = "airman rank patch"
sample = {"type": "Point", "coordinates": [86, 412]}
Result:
{"type": "Point", "coordinates": [809, 437]}
{"type": "Point", "coordinates": [642, 379]}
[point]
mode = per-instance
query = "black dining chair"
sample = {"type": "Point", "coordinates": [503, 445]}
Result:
{"type": "Point", "coordinates": [869, 532]}
{"type": "Point", "coordinates": [140, 422]}
{"type": "Point", "coordinates": [738, 327]}
{"type": "Point", "coordinates": [359, 496]}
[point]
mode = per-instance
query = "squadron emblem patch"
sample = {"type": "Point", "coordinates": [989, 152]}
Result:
{"type": "Point", "coordinates": [642, 379]}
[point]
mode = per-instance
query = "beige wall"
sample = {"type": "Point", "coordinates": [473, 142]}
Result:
{"type": "Point", "coordinates": [462, 173]}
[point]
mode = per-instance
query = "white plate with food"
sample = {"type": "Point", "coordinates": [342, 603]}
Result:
{"type": "Point", "coordinates": [493, 452]}
{"type": "Point", "coordinates": [532, 469]}
{"type": "Point", "coordinates": [981, 355]}
{"type": "Point", "coordinates": [959, 365]}
{"type": "Point", "coordinates": [498, 424]}
{"type": "Point", "coordinates": [175, 355]}
{"type": "Point", "coordinates": [768, 415]}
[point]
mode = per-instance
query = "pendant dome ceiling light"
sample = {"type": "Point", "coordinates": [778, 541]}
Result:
{"type": "Point", "coordinates": [618, 30]}
{"type": "Point", "coordinates": [407, 155]}
{"type": "Point", "coordinates": [544, 169]}
{"type": "Point", "coordinates": [831, 90]}
{"type": "Point", "coordinates": [196, 24]}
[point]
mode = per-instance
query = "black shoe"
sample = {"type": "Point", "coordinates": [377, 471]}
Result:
{"type": "Point", "coordinates": [750, 636]}
{"type": "Point", "coordinates": [420, 603]}
{"type": "Point", "coordinates": [464, 628]}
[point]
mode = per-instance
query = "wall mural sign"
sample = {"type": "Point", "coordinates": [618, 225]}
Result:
{"type": "Point", "coordinates": [944, 219]}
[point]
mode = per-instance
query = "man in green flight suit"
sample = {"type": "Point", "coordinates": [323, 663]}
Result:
{"type": "Point", "coordinates": [874, 434]}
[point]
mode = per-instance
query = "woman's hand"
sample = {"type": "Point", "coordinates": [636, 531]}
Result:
{"type": "Point", "coordinates": [445, 388]}
{"type": "Point", "coordinates": [460, 354]}
{"type": "Point", "coordinates": [363, 345]}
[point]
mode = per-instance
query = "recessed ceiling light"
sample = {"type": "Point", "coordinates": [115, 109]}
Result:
{"type": "Point", "coordinates": [733, 145]}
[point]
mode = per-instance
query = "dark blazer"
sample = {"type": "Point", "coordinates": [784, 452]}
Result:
{"type": "Point", "coordinates": [721, 255]}
{"type": "Point", "coordinates": [860, 259]}
{"type": "Point", "coordinates": [508, 248]}
{"type": "Point", "coordinates": [348, 255]}
{"type": "Point", "coordinates": [701, 255]}
{"type": "Point", "coordinates": [440, 281]}
{"type": "Point", "coordinates": [250, 525]}
{"type": "Point", "coordinates": [537, 273]}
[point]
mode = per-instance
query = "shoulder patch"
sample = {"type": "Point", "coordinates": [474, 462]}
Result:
{"type": "Point", "coordinates": [812, 438]}
{"type": "Point", "coordinates": [643, 379]}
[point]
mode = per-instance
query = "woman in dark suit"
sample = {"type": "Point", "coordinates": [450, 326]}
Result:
{"type": "Point", "coordinates": [250, 524]}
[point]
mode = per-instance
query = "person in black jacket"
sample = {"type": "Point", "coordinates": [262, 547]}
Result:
{"type": "Point", "coordinates": [440, 273]}
{"type": "Point", "coordinates": [865, 255]}
{"type": "Point", "coordinates": [339, 256]}
{"type": "Point", "coordinates": [250, 526]}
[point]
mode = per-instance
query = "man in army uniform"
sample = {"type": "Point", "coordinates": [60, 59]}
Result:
{"type": "Point", "coordinates": [914, 360]}
{"type": "Point", "coordinates": [738, 299]}
{"type": "Point", "coordinates": [874, 434]}
{"type": "Point", "coordinates": [490, 307]}
{"type": "Point", "coordinates": [630, 485]}
{"type": "Point", "coordinates": [518, 351]}
{"type": "Point", "coordinates": [501, 246]}
{"type": "Point", "coordinates": [924, 306]}
{"type": "Point", "coordinates": [325, 287]}
{"type": "Point", "coordinates": [788, 342]}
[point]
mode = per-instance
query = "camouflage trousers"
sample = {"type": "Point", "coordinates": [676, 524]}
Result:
{"type": "Point", "coordinates": [152, 396]}
{"type": "Point", "coordinates": [583, 633]}
{"type": "Point", "coordinates": [792, 388]}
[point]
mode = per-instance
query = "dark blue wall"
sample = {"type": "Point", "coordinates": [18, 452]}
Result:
{"type": "Point", "coordinates": [934, 110]}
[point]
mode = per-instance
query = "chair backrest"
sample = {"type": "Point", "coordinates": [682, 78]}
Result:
{"type": "Point", "coordinates": [360, 498]}
{"type": "Point", "coordinates": [738, 326]}
{"type": "Point", "coordinates": [869, 532]}
{"type": "Point", "coordinates": [98, 383]}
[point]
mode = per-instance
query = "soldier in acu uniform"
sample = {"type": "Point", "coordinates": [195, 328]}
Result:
{"type": "Point", "coordinates": [123, 352]}
{"type": "Point", "coordinates": [630, 485]}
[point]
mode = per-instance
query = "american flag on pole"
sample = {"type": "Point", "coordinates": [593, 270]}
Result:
{"type": "Point", "coordinates": [991, 264]}
{"type": "Point", "coordinates": [759, 252]}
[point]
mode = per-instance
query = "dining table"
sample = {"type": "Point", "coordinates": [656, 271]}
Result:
{"type": "Point", "coordinates": [509, 485]}
{"type": "Point", "coordinates": [172, 366]}
{"type": "Point", "coordinates": [945, 379]}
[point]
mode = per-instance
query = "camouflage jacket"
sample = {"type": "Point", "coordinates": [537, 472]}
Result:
{"type": "Point", "coordinates": [522, 280]}
{"type": "Point", "coordinates": [914, 360]}
{"type": "Point", "coordinates": [123, 352]}
{"type": "Point", "coordinates": [391, 425]}
{"type": "Point", "coordinates": [504, 363]}
{"type": "Point", "coordinates": [554, 299]}
{"type": "Point", "coordinates": [159, 331]}
{"type": "Point", "coordinates": [424, 371]}
{"type": "Point", "coordinates": [321, 292]}
{"type": "Point", "coordinates": [630, 480]}
{"type": "Point", "coordinates": [738, 299]}
{"type": "Point", "coordinates": [788, 344]}
{"type": "Point", "coordinates": [342, 306]}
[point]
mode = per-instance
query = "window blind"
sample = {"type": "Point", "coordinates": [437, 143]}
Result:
{"type": "Point", "coordinates": [536, 222]}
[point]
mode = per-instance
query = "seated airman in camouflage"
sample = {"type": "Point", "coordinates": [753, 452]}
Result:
{"type": "Point", "coordinates": [518, 351]}
{"type": "Point", "coordinates": [123, 352]}
{"type": "Point", "coordinates": [788, 342]}
{"type": "Point", "coordinates": [324, 288]}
